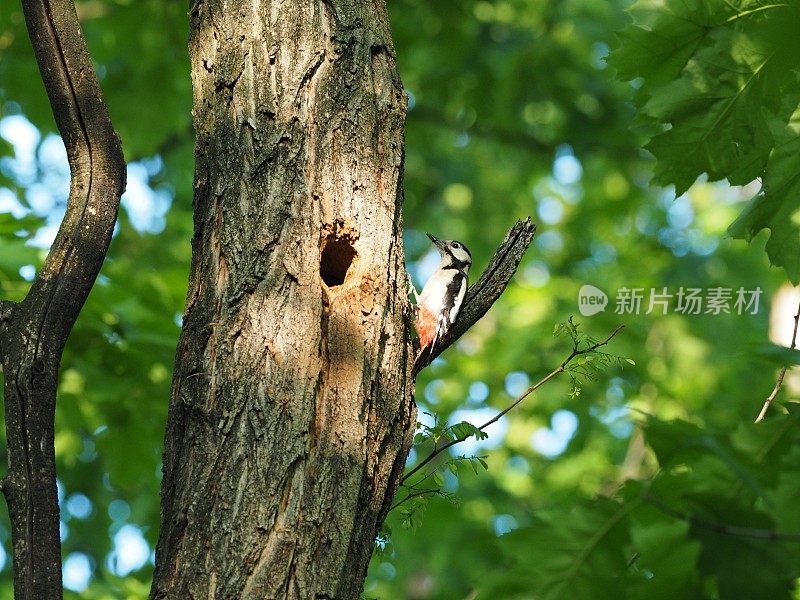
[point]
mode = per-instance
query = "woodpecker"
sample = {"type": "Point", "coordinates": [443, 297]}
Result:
{"type": "Point", "coordinates": [441, 298]}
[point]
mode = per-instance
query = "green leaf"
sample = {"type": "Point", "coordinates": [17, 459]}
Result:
{"type": "Point", "coordinates": [780, 355]}
{"type": "Point", "coordinates": [666, 559]}
{"type": "Point", "coordinates": [576, 553]}
{"type": "Point", "coordinates": [777, 206]}
{"type": "Point", "coordinates": [746, 568]}
{"type": "Point", "coordinates": [713, 459]}
{"type": "Point", "coordinates": [721, 78]}
{"type": "Point", "coordinates": [661, 40]}
{"type": "Point", "coordinates": [715, 110]}
{"type": "Point", "coordinates": [464, 430]}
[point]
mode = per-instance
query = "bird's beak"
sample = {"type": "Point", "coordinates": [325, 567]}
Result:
{"type": "Point", "coordinates": [437, 242]}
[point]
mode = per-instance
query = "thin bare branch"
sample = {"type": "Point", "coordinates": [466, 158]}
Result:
{"type": "Point", "coordinates": [480, 297]}
{"type": "Point", "coordinates": [553, 374]}
{"type": "Point", "coordinates": [779, 382]}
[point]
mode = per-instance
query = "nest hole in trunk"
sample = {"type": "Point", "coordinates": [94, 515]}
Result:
{"type": "Point", "coordinates": [337, 257]}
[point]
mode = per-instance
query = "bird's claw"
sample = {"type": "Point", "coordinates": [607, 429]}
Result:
{"type": "Point", "coordinates": [412, 291]}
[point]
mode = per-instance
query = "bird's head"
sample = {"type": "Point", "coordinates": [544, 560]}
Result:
{"type": "Point", "coordinates": [454, 254]}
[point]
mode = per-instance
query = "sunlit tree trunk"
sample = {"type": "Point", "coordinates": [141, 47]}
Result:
{"type": "Point", "coordinates": [291, 411]}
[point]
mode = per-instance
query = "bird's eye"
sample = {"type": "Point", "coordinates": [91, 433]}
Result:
{"type": "Point", "coordinates": [456, 245]}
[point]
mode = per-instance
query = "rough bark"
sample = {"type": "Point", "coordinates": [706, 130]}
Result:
{"type": "Point", "coordinates": [291, 411]}
{"type": "Point", "coordinates": [33, 333]}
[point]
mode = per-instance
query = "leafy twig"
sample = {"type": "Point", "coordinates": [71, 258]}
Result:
{"type": "Point", "coordinates": [779, 382]}
{"type": "Point", "coordinates": [414, 495]}
{"type": "Point", "coordinates": [414, 490]}
{"type": "Point", "coordinates": [576, 351]}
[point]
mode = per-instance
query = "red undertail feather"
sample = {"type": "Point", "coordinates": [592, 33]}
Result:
{"type": "Point", "coordinates": [426, 327]}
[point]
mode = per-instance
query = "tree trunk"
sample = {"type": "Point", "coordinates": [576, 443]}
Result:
{"type": "Point", "coordinates": [291, 412]}
{"type": "Point", "coordinates": [33, 333]}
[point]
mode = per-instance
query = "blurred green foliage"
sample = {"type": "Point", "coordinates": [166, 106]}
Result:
{"type": "Point", "coordinates": [649, 481]}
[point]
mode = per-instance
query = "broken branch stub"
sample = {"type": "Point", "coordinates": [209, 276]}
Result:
{"type": "Point", "coordinates": [480, 297]}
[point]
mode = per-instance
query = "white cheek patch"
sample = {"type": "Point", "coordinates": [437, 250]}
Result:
{"type": "Point", "coordinates": [461, 255]}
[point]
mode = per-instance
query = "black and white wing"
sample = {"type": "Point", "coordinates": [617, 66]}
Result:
{"type": "Point", "coordinates": [453, 297]}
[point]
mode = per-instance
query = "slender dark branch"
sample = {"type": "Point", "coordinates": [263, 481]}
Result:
{"type": "Point", "coordinates": [723, 528]}
{"type": "Point", "coordinates": [37, 331]}
{"type": "Point", "coordinates": [554, 373]}
{"type": "Point", "coordinates": [413, 495]}
{"type": "Point", "coordinates": [421, 481]}
{"type": "Point", "coordinates": [779, 382]}
{"type": "Point", "coordinates": [480, 297]}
